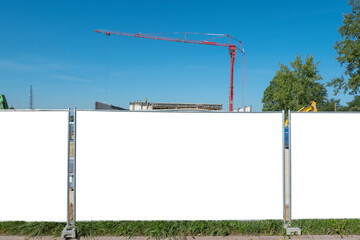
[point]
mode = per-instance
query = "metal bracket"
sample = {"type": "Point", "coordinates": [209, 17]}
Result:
{"type": "Point", "coordinates": [69, 233]}
{"type": "Point", "coordinates": [292, 230]}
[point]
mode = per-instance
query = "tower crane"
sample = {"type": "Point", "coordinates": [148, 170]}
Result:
{"type": "Point", "coordinates": [233, 45]}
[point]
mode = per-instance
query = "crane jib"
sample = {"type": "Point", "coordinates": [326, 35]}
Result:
{"type": "Point", "coordinates": [232, 50]}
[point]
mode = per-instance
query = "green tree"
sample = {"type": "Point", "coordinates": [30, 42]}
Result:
{"type": "Point", "coordinates": [353, 106]}
{"type": "Point", "coordinates": [329, 105]}
{"type": "Point", "coordinates": [348, 50]}
{"type": "Point", "coordinates": [295, 87]}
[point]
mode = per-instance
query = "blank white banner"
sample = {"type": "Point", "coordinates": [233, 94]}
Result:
{"type": "Point", "coordinates": [325, 165]}
{"type": "Point", "coordinates": [179, 166]}
{"type": "Point", "coordinates": [33, 165]}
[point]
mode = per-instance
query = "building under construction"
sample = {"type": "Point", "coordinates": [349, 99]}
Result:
{"type": "Point", "coordinates": [143, 106]}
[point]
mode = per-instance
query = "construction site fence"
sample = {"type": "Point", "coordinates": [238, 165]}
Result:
{"type": "Point", "coordinates": [78, 165]}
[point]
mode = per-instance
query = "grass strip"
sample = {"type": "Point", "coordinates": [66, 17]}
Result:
{"type": "Point", "coordinates": [31, 228]}
{"type": "Point", "coordinates": [161, 229]}
{"type": "Point", "coordinates": [328, 226]}
{"type": "Point", "coordinates": [164, 229]}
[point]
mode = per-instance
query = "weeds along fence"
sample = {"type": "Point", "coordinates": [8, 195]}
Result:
{"type": "Point", "coordinates": [177, 166]}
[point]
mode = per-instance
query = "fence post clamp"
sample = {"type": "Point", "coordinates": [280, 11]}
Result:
{"type": "Point", "coordinates": [292, 230]}
{"type": "Point", "coordinates": [69, 233]}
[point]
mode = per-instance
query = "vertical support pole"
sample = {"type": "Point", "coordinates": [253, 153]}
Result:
{"type": "Point", "coordinates": [283, 165]}
{"type": "Point", "coordinates": [75, 165]}
{"type": "Point", "coordinates": [68, 170]}
{"type": "Point", "coordinates": [290, 230]}
{"type": "Point", "coordinates": [289, 129]}
{"type": "Point", "coordinates": [232, 52]}
{"type": "Point", "coordinates": [69, 232]}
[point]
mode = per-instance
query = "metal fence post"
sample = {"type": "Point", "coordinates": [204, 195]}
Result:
{"type": "Point", "coordinates": [74, 168]}
{"type": "Point", "coordinates": [290, 230]}
{"type": "Point", "coordinates": [283, 165]}
{"type": "Point", "coordinates": [289, 129]}
{"type": "Point", "coordinates": [68, 170]}
{"type": "Point", "coordinates": [69, 232]}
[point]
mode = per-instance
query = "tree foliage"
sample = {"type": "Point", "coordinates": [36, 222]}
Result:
{"type": "Point", "coordinates": [348, 50]}
{"type": "Point", "coordinates": [295, 87]}
{"type": "Point", "coordinates": [353, 106]}
{"type": "Point", "coordinates": [329, 105]}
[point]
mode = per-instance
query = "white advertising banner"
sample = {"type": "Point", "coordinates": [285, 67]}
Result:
{"type": "Point", "coordinates": [33, 165]}
{"type": "Point", "coordinates": [179, 166]}
{"type": "Point", "coordinates": [325, 165]}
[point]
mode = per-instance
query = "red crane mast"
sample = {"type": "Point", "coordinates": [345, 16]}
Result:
{"type": "Point", "coordinates": [233, 45]}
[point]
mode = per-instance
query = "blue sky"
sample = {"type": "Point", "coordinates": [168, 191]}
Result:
{"type": "Point", "coordinates": [51, 45]}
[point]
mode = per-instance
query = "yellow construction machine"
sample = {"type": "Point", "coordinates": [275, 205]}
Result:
{"type": "Point", "coordinates": [311, 108]}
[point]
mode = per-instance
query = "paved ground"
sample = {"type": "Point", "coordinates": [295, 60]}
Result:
{"type": "Point", "coordinates": [310, 237]}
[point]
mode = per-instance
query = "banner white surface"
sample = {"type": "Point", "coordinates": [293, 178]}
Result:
{"type": "Point", "coordinates": [179, 166]}
{"type": "Point", "coordinates": [33, 165]}
{"type": "Point", "coordinates": [325, 165]}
